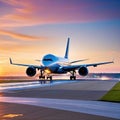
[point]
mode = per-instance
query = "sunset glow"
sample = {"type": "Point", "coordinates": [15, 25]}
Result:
{"type": "Point", "coordinates": [29, 29]}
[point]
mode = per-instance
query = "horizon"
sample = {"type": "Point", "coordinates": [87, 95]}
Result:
{"type": "Point", "coordinates": [32, 28]}
{"type": "Point", "coordinates": [94, 76]}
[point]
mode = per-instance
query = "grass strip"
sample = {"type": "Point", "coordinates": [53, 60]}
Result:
{"type": "Point", "coordinates": [113, 95]}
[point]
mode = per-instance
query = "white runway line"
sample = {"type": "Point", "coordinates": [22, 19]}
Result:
{"type": "Point", "coordinates": [4, 87]}
{"type": "Point", "coordinates": [106, 109]}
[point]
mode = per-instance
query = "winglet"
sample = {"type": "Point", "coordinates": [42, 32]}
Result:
{"type": "Point", "coordinates": [10, 60]}
{"type": "Point", "coordinates": [67, 49]}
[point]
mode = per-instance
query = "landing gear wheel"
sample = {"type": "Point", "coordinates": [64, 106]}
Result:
{"type": "Point", "coordinates": [72, 77]}
{"type": "Point", "coordinates": [49, 77]}
{"type": "Point", "coordinates": [42, 79]}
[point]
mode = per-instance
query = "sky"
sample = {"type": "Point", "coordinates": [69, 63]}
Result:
{"type": "Point", "coordinates": [29, 29]}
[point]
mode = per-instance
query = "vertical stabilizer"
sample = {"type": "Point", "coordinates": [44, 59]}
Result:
{"type": "Point", "coordinates": [67, 49]}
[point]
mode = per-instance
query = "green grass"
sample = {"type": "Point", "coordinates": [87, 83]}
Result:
{"type": "Point", "coordinates": [113, 95]}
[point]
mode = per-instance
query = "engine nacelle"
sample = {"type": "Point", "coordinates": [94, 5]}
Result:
{"type": "Point", "coordinates": [83, 71]}
{"type": "Point", "coordinates": [31, 71]}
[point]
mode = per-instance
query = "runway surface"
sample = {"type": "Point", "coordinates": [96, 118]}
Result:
{"type": "Point", "coordinates": [76, 98]}
{"type": "Point", "coordinates": [106, 109]}
{"type": "Point", "coordinates": [26, 85]}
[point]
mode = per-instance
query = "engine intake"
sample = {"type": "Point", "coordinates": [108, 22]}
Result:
{"type": "Point", "coordinates": [83, 71]}
{"type": "Point", "coordinates": [31, 71]}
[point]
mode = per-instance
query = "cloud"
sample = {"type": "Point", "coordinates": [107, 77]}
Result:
{"type": "Point", "coordinates": [34, 12]}
{"type": "Point", "coordinates": [20, 36]}
{"type": "Point", "coordinates": [16, 13]}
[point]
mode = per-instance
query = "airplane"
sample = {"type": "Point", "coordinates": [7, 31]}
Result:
{"type": "Point", "coordinates": [52, 64]}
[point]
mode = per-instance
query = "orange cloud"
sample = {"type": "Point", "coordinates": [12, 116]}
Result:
{"type": "Point", "coordinates": [33, 12]}
{"type": "Point", "coordinates": [20, 36]}
{"type": "Point", "coordinates": [17, 14]}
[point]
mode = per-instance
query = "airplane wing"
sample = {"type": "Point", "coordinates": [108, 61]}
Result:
{"type": "Point", "coordinates": [78, 61]}
{"type": "Point", "coordinates": [36, 66]}
{"type": "Point", "coordinates": [101, 63]}
{"type": "Point", "coordinates": [74, 67]}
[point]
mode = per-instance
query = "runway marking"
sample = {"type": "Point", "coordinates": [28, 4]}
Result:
{"type": "Point", "coordinates": [8, 87]}
{"type": "Point", "coordinates": [12, 115]}
{"type": "Point", "coordinates": [106, 109]}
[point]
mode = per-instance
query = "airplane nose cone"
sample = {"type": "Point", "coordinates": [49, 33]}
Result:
{"type": "Point", "coordinates": [49, 59]}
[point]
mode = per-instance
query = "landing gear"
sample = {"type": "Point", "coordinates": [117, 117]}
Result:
{"type": "Point", "coordinates": [42, 78]}
{"type": "Point", "coordinates": [73, 77]}
{"type": "Point", "coordinates": [49, 77]}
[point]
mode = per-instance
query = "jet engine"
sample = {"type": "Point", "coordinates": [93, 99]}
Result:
{"type": "Point", "coordinates": [83, 71]}
{"type": "Point", "coordinates": [31, 71]}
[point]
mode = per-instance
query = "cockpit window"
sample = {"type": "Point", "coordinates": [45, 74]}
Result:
{"type": "Point", "coordinates": [49, 59]}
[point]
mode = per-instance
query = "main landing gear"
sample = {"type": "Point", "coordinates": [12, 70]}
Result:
{"type": "Point", "coordinates": [49, 77]}
{"type": "Point", "coordinates": [42, 78]}
{"type": "Point", "coordinates": [73, 77]}
{"type": "Point", "coordinates": [41, 75]}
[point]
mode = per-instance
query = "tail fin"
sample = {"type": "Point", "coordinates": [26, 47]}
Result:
{"type": "Point", "coordinates": [67, 49]}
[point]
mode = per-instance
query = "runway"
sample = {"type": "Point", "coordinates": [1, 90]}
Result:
{"type": "Point", "coordinates": [105, 109]}
{"type": "Point", "coordinates": [27, 85]}
{"type": "Point", "coordinates": [71, 100]}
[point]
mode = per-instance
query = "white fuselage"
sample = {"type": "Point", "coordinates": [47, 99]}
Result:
{"type": "Point", "coordinates": [53, 64]}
